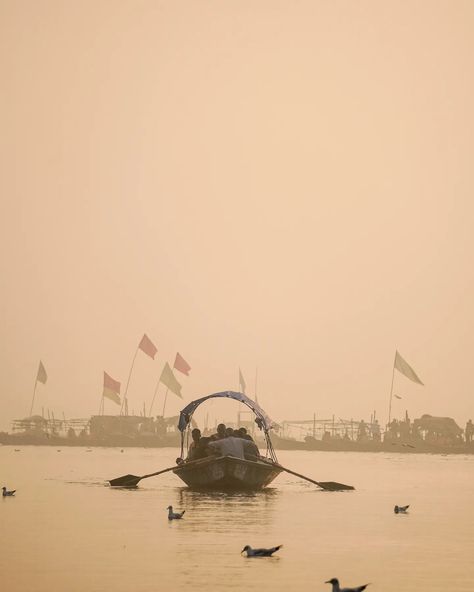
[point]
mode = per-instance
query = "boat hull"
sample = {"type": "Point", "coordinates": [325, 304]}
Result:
{"type": "Point", "coordinates": [227, 473]}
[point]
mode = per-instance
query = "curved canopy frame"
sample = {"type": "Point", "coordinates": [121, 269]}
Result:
{"type": "Point", "coordinates": [263, 420]}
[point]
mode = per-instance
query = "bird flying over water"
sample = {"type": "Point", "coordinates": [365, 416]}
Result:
{"type": "Point", "coordinates": [260, 552]}
{"type": "Point", "coordinates": [400, 509]}
{"type": "Point", "coordinates": [337, 588]}
{"type": "Point", "coordinates": [174, 515]}
{"type": "Point", "coordinates": [6, 493]}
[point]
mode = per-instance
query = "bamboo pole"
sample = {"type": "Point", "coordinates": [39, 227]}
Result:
{"type": "Point", "coordinates": [164, 402]}
{"type": "Point", "coordinates": [34, 393]}
{"type": "Point", "coordinates": [124, 401]}
{"type": "Point", "coordinates": [391, 394]}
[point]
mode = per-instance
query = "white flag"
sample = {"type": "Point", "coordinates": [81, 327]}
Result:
{"type": "Point", "coordinates": [405, 368]}
{"type": "Point", "coordinates": [41, 376]}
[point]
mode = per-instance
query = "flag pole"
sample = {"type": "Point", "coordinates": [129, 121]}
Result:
{"type": "Point", "coordinates": [154, 395]}
{"type": "Point", "coordinates": [34, 393]}
{"type": "Point", "coordinates": [124, 401]}
{"type": "Point", "coordinates": [391, 394]}
{"type": "Point", "coordinates": [164, 402]}
{"type": "Point", "coordinates": [256, 379]}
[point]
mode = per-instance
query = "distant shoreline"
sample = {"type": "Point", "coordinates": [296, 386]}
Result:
{"type": "Point", "coordinates": [173, 441]}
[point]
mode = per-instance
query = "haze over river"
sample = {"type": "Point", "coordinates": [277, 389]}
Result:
{"type": "Point", "coordinates": [65, 531]}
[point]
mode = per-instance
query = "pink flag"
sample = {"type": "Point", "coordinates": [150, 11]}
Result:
{"type": "Point", "coordinates": [147, 346]}
{"type": "Point", "coordinates": [111, 384]}
{"type": "Point", "coordinates": [181, 365]}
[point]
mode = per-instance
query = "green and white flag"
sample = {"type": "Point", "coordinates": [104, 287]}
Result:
{"type": "Point", "coordinates": [169, 380]}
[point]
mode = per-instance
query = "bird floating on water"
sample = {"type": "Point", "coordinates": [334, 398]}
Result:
{"type": "Point", "coordinates": [260, 552]}
{"type": "Point", "coordinates": [337, 588]}
{"type": "Point", "coordinates": [7, 493]}
{"type": "Point", "coordinates": [400, 509]}
{"type": "Point", "coordinates": [174, 515]}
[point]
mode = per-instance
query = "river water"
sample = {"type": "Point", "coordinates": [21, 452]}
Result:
{"type": "Point", "coordinates": [65, 530]}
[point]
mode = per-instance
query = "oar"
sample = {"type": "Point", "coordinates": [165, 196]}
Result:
{"type": "Point", "coordinates": [133, 480]}
{"type": "Point", "coordinates": [327, 485]}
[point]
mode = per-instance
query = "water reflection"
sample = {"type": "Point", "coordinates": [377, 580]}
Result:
{"type": "Point", "coordinates": [214, 509]}
{"type": "Point", "coordinates": [66, 531]}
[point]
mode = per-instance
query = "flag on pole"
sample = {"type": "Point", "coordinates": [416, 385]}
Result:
{"type": "Point", "coordinates": [147, 346]}
{"type": "Point", "coordinates": [111, 389]}
{"type": "Point", "coordinates": [41, 375]}
{"type": "Point", "coordinates": [181, 364]}
{"type": "Point", "coordinates": [405, 368]}
{"type": "Point", "coordinates": [242, 384]}
{"type": "Point", "coordinates": [169, 380]}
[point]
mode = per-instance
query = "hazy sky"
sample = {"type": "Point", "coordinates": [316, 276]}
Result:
{"type": "Point", "coordinates": [281, 184]}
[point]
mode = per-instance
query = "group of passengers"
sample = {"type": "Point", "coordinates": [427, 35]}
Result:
{"type": "Point", "coordinates": [225, 442]}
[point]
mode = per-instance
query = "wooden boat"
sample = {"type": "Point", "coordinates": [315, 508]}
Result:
{"type": "Point", "coordinates": [228, 472]}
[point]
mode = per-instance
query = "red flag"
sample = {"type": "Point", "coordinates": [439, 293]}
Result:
{"type": "Point", "coordinates": [111, 384]}
{"type": "Point", "coordinates": [111, 389]}
{"type": "Point", "coordinates": [148, 347]}
{"type": "Point", "coordinates": [181, 365]}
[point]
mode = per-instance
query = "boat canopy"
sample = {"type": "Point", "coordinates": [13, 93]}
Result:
{"type": "Point", "coordinates": [263, 421]}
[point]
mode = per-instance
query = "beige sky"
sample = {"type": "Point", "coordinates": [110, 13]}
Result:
{"type": "Point", "coordinates": [286, 184]}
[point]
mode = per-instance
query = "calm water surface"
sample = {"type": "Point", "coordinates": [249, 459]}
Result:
{"type": "Point", "coordinates": [65, 530]}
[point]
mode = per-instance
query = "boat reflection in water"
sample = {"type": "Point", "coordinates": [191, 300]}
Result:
{"type": "Point", "coordinates": [228, 472]}
{"type": "Point", "coordinates": [210, 510]}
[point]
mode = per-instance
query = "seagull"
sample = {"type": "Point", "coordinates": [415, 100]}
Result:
{"type": "Point", "coordinates": [7, 493]}
{"type": "Point", "coordinates": [400, 509]}
{"type": "Point", "coordinates": [260, 552]}
{"type": "Point", "coordinates": [174, 515]}
{"type": "Point", "coordinates": [337, 588]}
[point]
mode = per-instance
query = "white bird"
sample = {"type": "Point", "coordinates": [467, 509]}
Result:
{"type": "Point", "coordinates": [260, 552]}
{"type": "Point", "coordinates": [7, 493]}
{"type": "Point", "coordinates": [337, 588]}
{"type": "Point", "coordinates": [400, 509]}
{"type": "Point", "coordinates": [174, 515]}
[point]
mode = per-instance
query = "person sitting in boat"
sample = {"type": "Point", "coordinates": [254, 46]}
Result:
{"type": "Point", "coordinates": [234, 446]}
{"type": "Point", "coordinates": [230, 446]}
{"type": "Point", "coordinates": [251, 450]}
{"type": "Point", "coordinates": [195, 450]}
{"type": "Point", "coordinates": [243, 434]}
{"type": "Point", "coordinates": [221, 429]}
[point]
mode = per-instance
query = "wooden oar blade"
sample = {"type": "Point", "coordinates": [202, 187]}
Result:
{"type": "Point", "coordinates": [125, 481]}
{"type": "Point", "coordinates": [333, 486]}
